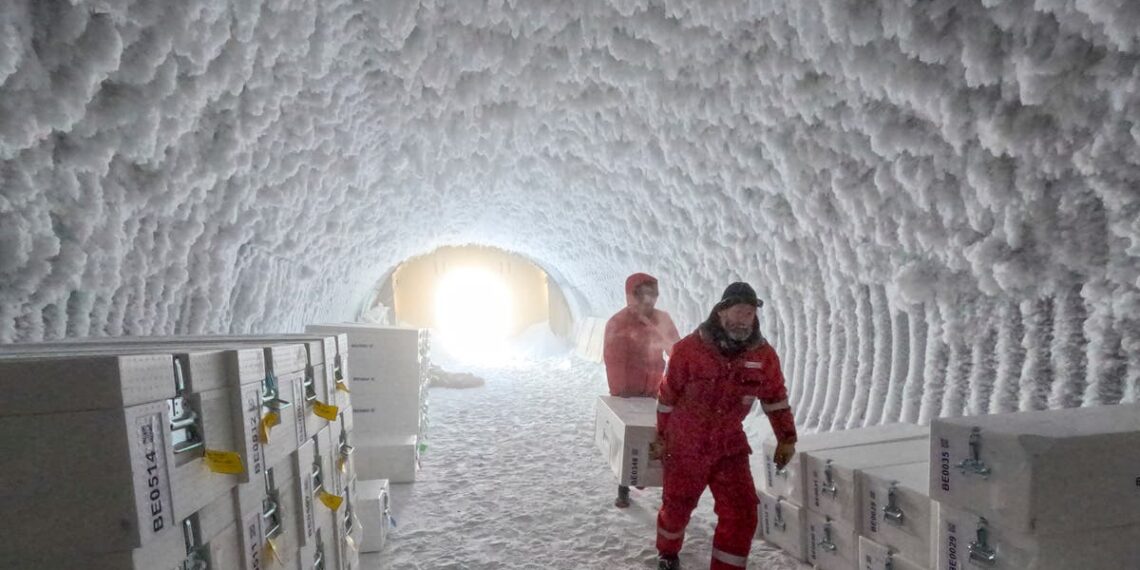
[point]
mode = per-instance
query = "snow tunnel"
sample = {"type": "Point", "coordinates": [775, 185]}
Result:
{"type": "Point", "coordinates": [937, 201]}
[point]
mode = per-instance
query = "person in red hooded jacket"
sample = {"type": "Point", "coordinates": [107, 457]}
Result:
{"type": "Point", "coordinates": [715, 376]}
{"type": "Point", "coordinates": [636, 337]}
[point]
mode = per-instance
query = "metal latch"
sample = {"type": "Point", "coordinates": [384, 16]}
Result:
{"type": "Point", "coordinates": [975, 464]}
{"type": "Point", "coordinates": [270, 511]}
{"type": "Point", "coordinates": [318, 479]}
{"type": "Point", "coordinates": [828, 485]}
{"type": "Point", "coordinates": [185, 428]}
{"type": "Point", "coordinates": [310, 385]}
{"type": "Point", "coordinates": [980, 550]}
{"type": "Point", "coordinates": [348, 524]}
{"type": "Point", "coordinates": [271, 394]}
{"type": "Point", "coordinates": [338, 373]}
{"type": "Point", "coordinates": [196, 558]}
{"type": "Point", "coordinates": [345, 448]}
{"type": "Point", "coordinates": [827, 544]}
{"type": "Point", "coordinates": [780, 523]}
{"type": "Point", "coordinates": [892, 513]}
{"type": "Point", "coordinates": [319, 556]}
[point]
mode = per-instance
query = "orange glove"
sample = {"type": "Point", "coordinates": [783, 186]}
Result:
{"type": "Point", "coordinates": [657, 449]}
{"type": "Point", "coordinates": [783, 454]}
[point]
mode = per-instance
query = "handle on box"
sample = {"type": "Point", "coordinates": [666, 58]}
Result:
{"type": "Point", "coordinates": [892, 513]}
{"type": "Point", "coordinates": [980, 550]}
{"type": "Point", "coordinates": [828, 485]}
{"type": "Point", "coordinates": [974, 463]}
{"type": "Point", "coordinates": [827, 544]}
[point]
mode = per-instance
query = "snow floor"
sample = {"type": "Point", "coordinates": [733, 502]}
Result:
{"type": "Point", "coordinates": [512, 479]}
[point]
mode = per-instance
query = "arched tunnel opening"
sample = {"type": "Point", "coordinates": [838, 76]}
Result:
{"type": "Point", "coordinates": [476, 300]}
{"type": "Point", "coordinates": [936, 203]}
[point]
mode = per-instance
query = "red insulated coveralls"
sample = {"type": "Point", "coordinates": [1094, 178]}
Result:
{"type": "Point", "coordinates": [634, 344]}
{"type": "Point", "coordinates": [700, 414]}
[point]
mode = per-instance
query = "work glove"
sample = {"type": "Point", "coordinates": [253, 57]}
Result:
{"type": "Point", "coordinates": [657, 449]}
{"type": "Point", "coordinates": [784, 453]}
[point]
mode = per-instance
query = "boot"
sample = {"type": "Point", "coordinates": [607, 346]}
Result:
{"type": "Point", "coordinates": [622, 500]}
{"type": "Point", "coordinates": [668, 562]}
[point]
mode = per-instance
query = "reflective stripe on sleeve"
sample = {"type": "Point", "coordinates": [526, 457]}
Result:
{"type": "Point", "coordinates": [775, 406]}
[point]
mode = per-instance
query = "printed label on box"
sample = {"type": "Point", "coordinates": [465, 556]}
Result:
{"type": "Point", "coordinates": [153, 481]}
{"type": "Point", "coordinates": [252, 541]}
{"type": "Point", "coordinates": [301, 409]}
{"type": "Point", "coordinates": [251, 437]}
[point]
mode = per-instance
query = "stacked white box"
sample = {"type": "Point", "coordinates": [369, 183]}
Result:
{"type": "Point", "coordinates": [831, 544]}
{"type": "Point", "coordinates": [790, 481]}
{"type": "Point", "coordinates": [897, 512]}
{"type": "Point", "coordinates": [623, 430]}
{"type": "Point", "coordinates": [1038, 490]}
{"type": "Point", "coordinates": [875, 556]}
{"type": "Point", "coordinates": [389, 377]}
{"type": "Point", "coordinates": [374, 513]}
{"type": "Point", "coordinates": [967, 541]}
{"type": "Point", "coordinates": [784, 524]}
{"type": "Point", "coordinates": [210, 384]}
{"type": "Point", "coordinates": [788, 487]}
{"type": "Point", "coordinates": [392, 457]}
{"type": "Point", "coordinates": [1043, 472]}
{"type": "Point", "coordinates": [832, 474]}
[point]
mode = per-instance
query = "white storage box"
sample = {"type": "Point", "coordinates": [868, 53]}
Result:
{"type": "Point", "coordinates": [1043, 472]}
{"type": "Point", "coordinates": [194, 485]}
{"type": "Point", "coordinates": [875, 556]}
{"type": "Point", "coordinates": [395, 458]}
{"type": "Point", "coordinates": [382, 416]}
{"type": "Point", "coordinates": [283, 437]}
{"type": "Point", "coordinates": [791, 483]}
{"type": "Point", "coordinates": [831, 544]}
{"type": "Point", "coordinates": [623, 430]}
{"type": "Point", "coordinates": [968, 541]}
{"type": "Point", "coordinates": [348, 530]}
{"type": "Point", "coordinates": [831, 473]}
{"type": "Point", "coordinates": [124, 457]}
{"type": "Point", "coordinates": [41, 385]}
{"type": "Point", "coordinates": [783, 524]}
{"type": "Point", "coordinates": [897, 510]}
{"type": "Point", "coordinates": [374, 512]}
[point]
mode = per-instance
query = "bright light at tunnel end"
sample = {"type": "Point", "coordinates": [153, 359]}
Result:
{"type": "Point", "coordinates": [474, 315]}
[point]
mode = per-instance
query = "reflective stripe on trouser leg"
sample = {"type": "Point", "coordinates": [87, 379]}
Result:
{"type": "Point", "coordinates": [663, 408]}
{"type": "Point", "coordinates": [732, 560]}
{"type": "Point", "coordinates": [683, 482]}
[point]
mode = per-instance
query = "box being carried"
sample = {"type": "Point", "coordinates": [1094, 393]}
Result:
{"type": "Point", "coordinates": [623, 430]}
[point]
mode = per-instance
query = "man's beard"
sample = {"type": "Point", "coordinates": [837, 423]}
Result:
{"type": "Point", "coordinates": [738, 334]}
{"type": "Point", "coordinates": [727, 342]}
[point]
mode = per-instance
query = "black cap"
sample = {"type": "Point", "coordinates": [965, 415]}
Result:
{"type": "Point", "coordinates": [739, 293]}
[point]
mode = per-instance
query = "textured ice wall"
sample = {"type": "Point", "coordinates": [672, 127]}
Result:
{"type": "Point", "coordinates": [940, 200]}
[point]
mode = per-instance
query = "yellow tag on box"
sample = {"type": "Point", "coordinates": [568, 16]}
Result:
{"type": "Point", "coordinates": [325, 411]}
{"type": "Point", "coordinates": [267, 422]}
{"type": "Point", "coordinates": [226, 462]}
{"type": "Point", "coordinates": [342, 464]}
{"type": "Point", "coordinates": [342, 386]}
{"type": "Point", "coordinates": [272, 548]}
{"type": "Point", "coordinates": [330, 500]}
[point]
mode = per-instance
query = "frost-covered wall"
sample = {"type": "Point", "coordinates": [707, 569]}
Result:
{"type": "Point", "coordinates": [940, 199]}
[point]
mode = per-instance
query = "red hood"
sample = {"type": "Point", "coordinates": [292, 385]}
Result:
{"type": "Point", "coordinates": [633, 282]}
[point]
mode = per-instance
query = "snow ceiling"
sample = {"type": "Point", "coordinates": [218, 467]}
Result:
{"type": "Point", "coordinates": [939, 199]}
